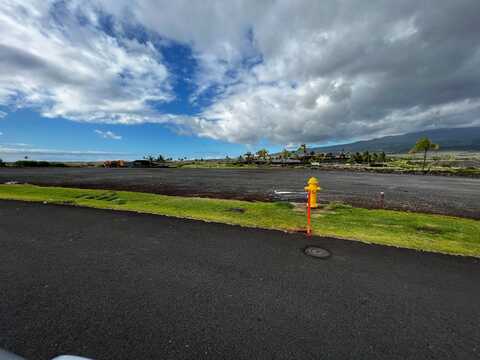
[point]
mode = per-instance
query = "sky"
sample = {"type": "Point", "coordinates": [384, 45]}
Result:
{"type": "Point", "coordinates": [104, 79]}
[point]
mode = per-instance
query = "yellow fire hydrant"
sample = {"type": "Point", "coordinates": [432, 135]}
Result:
{"type": "Point", "coordinates": [312, 189]}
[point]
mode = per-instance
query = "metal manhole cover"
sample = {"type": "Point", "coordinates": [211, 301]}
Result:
{"type": "Point", "coordinates": [317, 252]}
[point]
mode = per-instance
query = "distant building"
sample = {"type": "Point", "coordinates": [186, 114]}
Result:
{"type": "Point", "coordinates": [114, 163]}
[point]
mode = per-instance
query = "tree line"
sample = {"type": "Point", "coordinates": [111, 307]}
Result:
{"type": "Point", "coordinates": [303, 155]}
{"type": "Point", "coordinates": [423, 145]}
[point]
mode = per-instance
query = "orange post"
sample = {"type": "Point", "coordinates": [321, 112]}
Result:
{"type": "Point", "coordinates": [309, 214]}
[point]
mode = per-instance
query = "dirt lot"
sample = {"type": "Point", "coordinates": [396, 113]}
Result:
{"type": "Point", "coordinates": [436, 194]}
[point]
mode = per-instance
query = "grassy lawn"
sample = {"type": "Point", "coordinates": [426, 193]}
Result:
{"type": "Point", "coordinates": [426, 232]}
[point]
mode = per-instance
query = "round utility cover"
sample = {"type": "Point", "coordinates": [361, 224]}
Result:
{"type": "Point", "coordinates": [317, 252]}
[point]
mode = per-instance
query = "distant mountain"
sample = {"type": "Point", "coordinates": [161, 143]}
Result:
{"type": "Point", "coordinates": [455, 139]}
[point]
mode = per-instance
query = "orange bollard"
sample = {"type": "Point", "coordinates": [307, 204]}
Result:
{"type": "Point", "coordinates": [309, 214]}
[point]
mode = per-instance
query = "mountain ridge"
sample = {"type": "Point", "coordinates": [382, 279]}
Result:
{"type": "Point", "coordinates": [450, 139]}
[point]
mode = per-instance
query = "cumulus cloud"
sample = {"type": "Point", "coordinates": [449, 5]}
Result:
{"type": "Point", "coordinates": [55, 57]}
{"type": "Point", "coordinates": [341, 70]}
{"type": "Point", "coordinates": [2, 114]}
{"type": "Point", "coordinates": [108, 135]}
{"type": "Point", "coordinates": [283, 71]}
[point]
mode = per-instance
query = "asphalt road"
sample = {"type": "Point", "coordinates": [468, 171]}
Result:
{"type": "Point", "coordinates": [113, 285]}
{"type": "Point", "coordinates": [436, 194]}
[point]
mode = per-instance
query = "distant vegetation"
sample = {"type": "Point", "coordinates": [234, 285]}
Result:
{"type": "Point", "coordinates": [262, 154]}
{"type": "Point", "coordinates": [424, 145]}
{"type": "Point", "coordinates": [377, 161]}
{"type": "Point", "coordinates": [305, 156]}
{"type": "Point", "coordinates": [368, 158]}
{"type": "Point", "coordinates": [442, 164]}
{"type": "Point", "coordinates": [152, 159]}
{"type": "Point", "coordinates": [374, 161]}
{"type": "Point", "coordinates": [32, 163]}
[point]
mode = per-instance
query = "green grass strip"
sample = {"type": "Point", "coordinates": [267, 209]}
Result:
{"type": "Point", "coordinates": [435, 233]}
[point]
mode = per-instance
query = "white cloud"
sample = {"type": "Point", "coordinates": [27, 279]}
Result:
{"type": "Point", "coordinates": [2, 114]}
{"type": "Point", "coordinates": [67, 67]}
{"type": "Point", "coordinates": [335, 70]}
{"type": "Point", "coordinates": [285, 71]}
{"type": "Point", "coordinates": [108, 135]}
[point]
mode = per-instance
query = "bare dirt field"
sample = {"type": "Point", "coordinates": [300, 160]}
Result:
{"type": "Point", "coordinates": [435, 194]}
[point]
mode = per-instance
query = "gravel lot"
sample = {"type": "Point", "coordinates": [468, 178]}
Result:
{"type": "Point", "coordinates": [116, 285]}
{"type": "Point", "coordinates": [436, 194]}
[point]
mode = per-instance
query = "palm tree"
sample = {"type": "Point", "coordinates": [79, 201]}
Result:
{"type": "Point", "coordinates": [262, 154]}
{"type": "Point", "coordinates": [303, 149]}
{"type": "Point", "coordinates": [149, 158]}
{"type": "Point", "coordinates": [248, 157]}
{"type": "Point", "coordinates": [285, 154]}
{"type": "Point", "coordinates": [366, 157]}
{"type": "Point", "coordinates": [424, 144]}
{"type": "Point", "coordinates": [382, 157]}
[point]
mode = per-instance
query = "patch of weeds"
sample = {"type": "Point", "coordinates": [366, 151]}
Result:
{"type": "Point", "coordinates": [429, 229]}
{"type": "Point", "coordinates": [337, 205]}
{"type": "Point", "coordinates": [106, 196]}
{"type": "Point", "coordinates": [119, 201]}
{"type": "Point", "coordinates": [82, 196]}
{"type": "Point", "coordinates": [398, 226]}
{"type": "Point", "coordinates": [284, 205]}
{"type": "Point", "coordinates": [237, 210]}
{"type": "Point", "coordinates": [110, 198]}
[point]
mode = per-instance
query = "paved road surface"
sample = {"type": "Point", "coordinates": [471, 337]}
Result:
{"type": "Point", "coordinates": [111, 285]}
{"type": "Point", "coordinates": [438, 194]}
